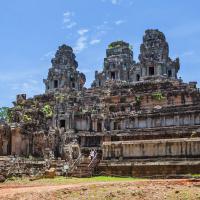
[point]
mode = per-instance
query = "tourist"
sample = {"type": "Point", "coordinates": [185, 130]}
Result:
{"type": "Point", "coordinates": [92, 154]}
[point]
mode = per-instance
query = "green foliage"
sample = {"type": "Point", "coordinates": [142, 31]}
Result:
{"type": "Point", "coordinates": [158, 96]}
{"type": "Point", "coordinates": [9, 116]}
{"type": "Point", "coordinates": [194, 134]}
{"type": "Point", "coordinates": [114, 45]}
{"type": "Point", "coordinates": [60, 180]}
{"type": "Point", "coordinates": [48, 111]}
{"type": "Point", "coordinates": [110, 46]}
{"type": "Point", "coordinates": [4, 113]}
{"type": "Point", "coordinates": [27, 118]}
{"type": "Point", "coordinates": [138, 99]}
{"type": "Point", "coordinates": [18, 107]}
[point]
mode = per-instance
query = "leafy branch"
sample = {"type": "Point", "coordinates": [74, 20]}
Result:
{"type": "Point", "coordinates": [158, 96]}
{"type": "Point", "coordinates": [48, 111]}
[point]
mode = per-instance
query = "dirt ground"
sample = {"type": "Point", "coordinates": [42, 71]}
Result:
{"type": "Point", "coordinates": [137, 189]}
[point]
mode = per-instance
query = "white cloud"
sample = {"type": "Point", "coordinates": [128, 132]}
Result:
{"type": "Point", "coordinates": [82, 31]}
{"type": "Point", "coordinates": [68, 21]}
{"type": "Point", "coordinates": [187, 53]}
{"type": "Point", "coordinates": [114, 2]}
{"type": "Point", "coordinates": [95, 41]}
{"type": "Point", "coordinates": [102, 29]}
{"type": "Point", "coordinates": [118, 22]}
{"type": "Point", "coordinates": [82, 41]}
{"type": "Point", "coordinates": [81, 44]}
{"type": "Point", "coordinates": [70, 25]}
{"type": "Point", "coordinates": [47, 55]}
{"type": "Point", "coordinates": [30, 87]}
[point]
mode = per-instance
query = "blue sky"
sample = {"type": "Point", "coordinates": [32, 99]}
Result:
{"type": "Point", "coordinates": [31, 31]}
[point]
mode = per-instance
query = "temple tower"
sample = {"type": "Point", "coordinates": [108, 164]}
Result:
{"type": "Point", "coordinates": [154, 56]}
{"type": "Point", "coordinates": [117, 64]}
{"type": "Point", "coordinates": [63, 73]}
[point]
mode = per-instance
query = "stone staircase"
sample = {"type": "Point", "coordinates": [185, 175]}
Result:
{"type": "Point", "coordinates": [58, 166]}
{"type": "Point", "coordinates": [85, 168]}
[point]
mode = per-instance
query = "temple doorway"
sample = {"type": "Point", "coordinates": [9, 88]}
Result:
{"type": "Point", "coordinates": [62, 123]}
{"type": "Point", "coordinates": [113, 75]}
{"type": "Point", "coordinates": [151, 71]}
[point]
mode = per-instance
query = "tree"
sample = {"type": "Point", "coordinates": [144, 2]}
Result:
{"type": "Point", "coordinates": [4, 113]}
{"type": "Point", "coordinates": [48, 111]}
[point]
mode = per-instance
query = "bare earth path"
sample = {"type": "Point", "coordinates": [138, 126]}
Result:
{"type": "Point", "coordinates": [142, 189]}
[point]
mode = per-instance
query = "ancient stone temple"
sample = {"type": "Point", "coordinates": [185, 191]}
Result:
{"type": "Point", "coordinates": [118, 64]}
{"type": "Point", "coordinates": [63, 73]}
{"type": "Point", "coordinates": [141, 119]}
{"type": "Point", "coordinates": [154, 56]}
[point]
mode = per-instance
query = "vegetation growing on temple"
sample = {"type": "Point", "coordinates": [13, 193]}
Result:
{"type": "Point", "coordinates": [48, 111]}
{"type": "Point", "coordinates": [158, 96]}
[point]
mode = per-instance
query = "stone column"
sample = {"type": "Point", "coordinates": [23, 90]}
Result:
{"type": "Point", "coordinates": [176, 120]}
{"type": "Point", "coordinates": [5, 147]}
{"type": "Point", "coordinates": [164, 121]}
{"type": "Point", "coordinates": [173, 73]}
{"type": "Point", "coordinates": [136, 122]}
{"type": "Point", "coordinates": [149, 125]}
{"type": "Point", "coordinates": [67, 122]}
{"type": "Point", "coordinates": [192, 118]}
{"type": "Point", "coordinates": [82, 141]}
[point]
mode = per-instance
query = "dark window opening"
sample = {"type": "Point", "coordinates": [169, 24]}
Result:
{"type": "Point", "coordinates": [107, 125]}
{"type": "Point", "coordinates": [73, 85]}
{"type": "Point", "coordinates": [138, 77]}
{"type": "Point", "coordinates": [93, 141]}
{"type": "Point", "coordinates": [123, 108]}
{"type": "Point", "coordinates": [55, 83]}
{"type": "Point", "coordinates": [151, 71]}
{"type": "Point", "coordinates": [113, 75]}
{"type": "Point", "coordinates": [169, 73]}
{"type": "Point", "coordinates": [115, 138]}
{"type": "Point", "coordinates": [62, 123]}
{"type": "Point", "coordinates": [117, 126]}
{"type": "Point", "coordinates": [99, 127]}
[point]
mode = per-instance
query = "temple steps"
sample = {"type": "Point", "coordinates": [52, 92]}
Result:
{"type": "Point", "coordinates": [85, 168]}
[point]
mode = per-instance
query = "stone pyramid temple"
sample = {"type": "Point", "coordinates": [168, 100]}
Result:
{"type": "Point", "coordinates": [140, 118]}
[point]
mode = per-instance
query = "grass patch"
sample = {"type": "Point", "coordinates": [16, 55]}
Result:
{"type": "Point", "coordinates": [196, 175]}
{"type": "Point", "coordinates": [65, 180]}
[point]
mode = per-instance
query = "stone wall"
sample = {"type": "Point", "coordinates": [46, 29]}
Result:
{"type": "Point", "coordinates": [20, 142]}
{"type": "Point", "coordinates": [5, 136]}
{"type": "Point", "coordinates": [150, 168]}
{"type": "Point", "coordinates": [182, 147]}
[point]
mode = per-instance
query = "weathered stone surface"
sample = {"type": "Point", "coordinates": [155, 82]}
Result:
{"type": "Point", "coordinates": [63, 73]}
{"type": "Point", "coordinates": [154, 56]}
{"type": "Point", "coordinates": [51, 173]}
{"type": "Point", "coordinates": [168, 148]}
{"type": "Point", "coordinates": [128, 101]}
{"type": "Point", "coordinates": [2, 179]}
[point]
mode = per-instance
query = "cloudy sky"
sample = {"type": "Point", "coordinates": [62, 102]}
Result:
{"type": "Point", "coordinates": [31, 31]}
